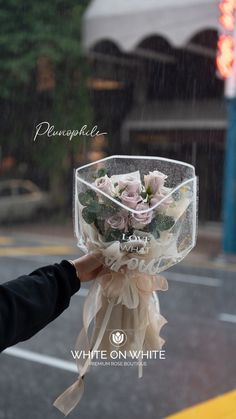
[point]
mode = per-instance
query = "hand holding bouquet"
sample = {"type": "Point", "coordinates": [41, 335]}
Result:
{"type": "Point", "coordinates": [137, 215]}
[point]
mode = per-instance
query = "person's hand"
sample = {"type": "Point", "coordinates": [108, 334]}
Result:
{"type": "Point", "coordinates": [87, 267]}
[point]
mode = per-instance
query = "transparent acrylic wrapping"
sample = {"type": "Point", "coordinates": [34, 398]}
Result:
{"type": "Point", "coordinates": [180, 201]}
{"type": "Point", "coordinates": [138, 216]}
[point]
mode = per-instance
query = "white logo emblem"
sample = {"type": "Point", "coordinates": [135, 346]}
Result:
{"type": "Point", "coordinates": [118, 337]}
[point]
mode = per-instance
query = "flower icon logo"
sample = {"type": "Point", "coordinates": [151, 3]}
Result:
{"type": "Point", "coordinates": [118, 338]}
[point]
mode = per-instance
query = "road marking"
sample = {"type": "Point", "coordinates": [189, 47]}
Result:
{"type": "Point", "coordinates": [44, 238]}
{"type": "Point", "coordinates": [6, 240]}
{"type": "Point", "coordinates": [221, 407]}
{"type": "Point", "coordinates": [225, 317]}
{"type": "Point", "coordinates": [36, 250]}
{"type": "Point", "coordinates": [194, 279]}
{"type": "Point", "coordinates": [83, 292]}
{"type": "Point", "coordinates": [41, 359]}
{"type": "Point", "coordinates": [228, 267]}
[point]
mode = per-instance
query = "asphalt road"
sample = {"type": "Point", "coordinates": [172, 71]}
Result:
{"type": "Point", "coordinates": [200, 346]}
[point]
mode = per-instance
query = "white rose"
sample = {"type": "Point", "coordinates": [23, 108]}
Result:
{"type": "Point", "coordinates": [155, 181]}
{"type": "Point", "coordinates": [104, 184]}
{"type": "Point", "coordinates": [158, 197]}
{"type": "Point", "coordinates": [130, 184]}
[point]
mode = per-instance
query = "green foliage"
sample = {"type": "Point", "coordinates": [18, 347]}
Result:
{"type": "Point", "coordinates": [100, 173]}
{"type": "Point", "coordinates": [160, 223]}
{"type": "Point", "coordinates": [153, 228]}
{"type": "Point", "coordinates": [164, 222]}
{"type": "Point", "coordinates": [149, 190]}
{"type": "Point", "coordinates": [107, 210]}
{"type": "Point", "coordinates": [95, 212]}
{"type": "Point", "coordinates": [113, 234]}
{"type": "Point", "coordinates": [88, 215]}
{"type": "Point", "coordinates": [88, 197]}
{"type": "Point", "coordinates": [29, 31]}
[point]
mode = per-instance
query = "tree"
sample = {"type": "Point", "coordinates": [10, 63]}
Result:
{"type": "Point", "coordinates": [42, 77]}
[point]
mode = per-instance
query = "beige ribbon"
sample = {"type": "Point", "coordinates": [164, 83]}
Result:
{"type": "Point", "coordinates": [129, 297]}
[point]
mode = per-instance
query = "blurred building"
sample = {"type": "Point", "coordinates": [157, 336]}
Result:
{"type": "Point", "coordinates": [154, 84]}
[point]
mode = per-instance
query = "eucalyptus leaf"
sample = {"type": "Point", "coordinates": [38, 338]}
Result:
{"type": "Point", "coordinates": [164, 222]}
{"type": "Point", "coordinates": [82, 198]}
{"type": "Point", "coordinates": [88, 216]}
{"type": "Point", "coordinates": [94, 207]}
{"type": "Point", "coordinates": [100, 173]}
{"type": "Point", "coordinates": [106, 211]}
{"type": "Point", "coordinates": [153, 228]}
{"type": "Point", "coordinates": [113, 234]}
{"type": "Point", "coordinates": [88, 197]}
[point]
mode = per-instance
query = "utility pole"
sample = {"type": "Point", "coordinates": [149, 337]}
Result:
{"type": "Point", "coordinates": [226, 65]}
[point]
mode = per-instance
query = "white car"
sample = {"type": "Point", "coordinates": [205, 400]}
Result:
{"type": "Point", "coordinates": [22, 200]}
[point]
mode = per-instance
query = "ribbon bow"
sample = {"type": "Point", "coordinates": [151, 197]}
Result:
{"type": "Point", "coordinates": [131, 299]}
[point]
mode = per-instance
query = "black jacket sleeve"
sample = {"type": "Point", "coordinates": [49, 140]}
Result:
{"type": "Point", "coordinates": [30, 302]}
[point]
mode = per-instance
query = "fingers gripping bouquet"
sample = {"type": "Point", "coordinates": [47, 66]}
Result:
{"type": "Point", "coordinates": [138, 216]}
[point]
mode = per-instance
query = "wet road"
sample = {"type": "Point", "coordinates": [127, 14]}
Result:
{"type": "Point", "coordinates": [200, 346]}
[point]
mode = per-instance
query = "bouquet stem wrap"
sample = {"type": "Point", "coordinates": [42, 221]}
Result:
{"type": "Point", "coordinates": [117, 300]}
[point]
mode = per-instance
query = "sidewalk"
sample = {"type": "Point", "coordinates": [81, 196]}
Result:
{"type": "Point", "coordinates": [208, 248]}
{"type": "Point", "coordinates": [208, 245]}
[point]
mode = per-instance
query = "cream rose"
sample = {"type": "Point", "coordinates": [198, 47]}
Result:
{"type": "Point", "coordinates": [158, 197]}
{"type": "Point", "coordinates": [104, 184]}
{"type": "Point", "coordinates": [130, 184]}
{"type": "Point", "coordinates": [155, 181]}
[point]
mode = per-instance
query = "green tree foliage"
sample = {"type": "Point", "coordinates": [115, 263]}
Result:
{"type": "Point", "coordinates": [29, 31]}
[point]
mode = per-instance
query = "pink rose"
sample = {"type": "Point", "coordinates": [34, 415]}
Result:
{"type": "Point", "coordinates": [130, 184]}
{"type": "Point", "coordinates": [155, 181]}
{"type": "Point", "coordinates": [104, 184]}
{"type": "Point", "coordinates": [141, 220]}
{"type": "Point", "coordinates": [118, 221]}
{"type": "Point", "coordinates": [130, 199]}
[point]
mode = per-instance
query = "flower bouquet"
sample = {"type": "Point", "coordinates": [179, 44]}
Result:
{"type": "Point", "coordinates": [138, 216]}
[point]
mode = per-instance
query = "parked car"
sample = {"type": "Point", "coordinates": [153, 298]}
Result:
{"type": "Point", "coordinates": [22, 200]}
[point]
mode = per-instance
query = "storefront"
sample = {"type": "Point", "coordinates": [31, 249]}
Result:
{"type": "Point", "coordinates": [154, 84]}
